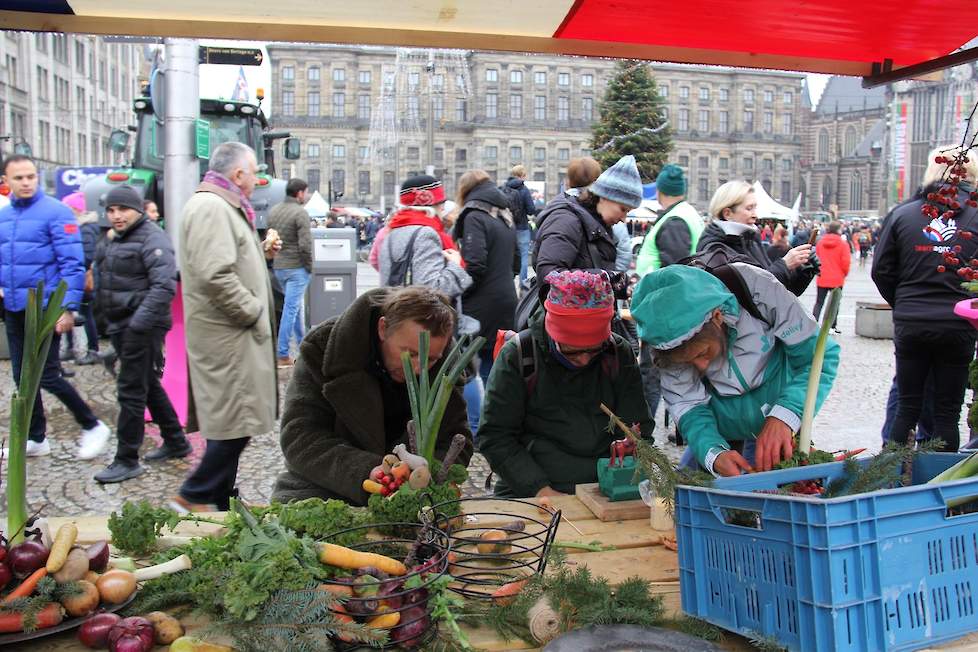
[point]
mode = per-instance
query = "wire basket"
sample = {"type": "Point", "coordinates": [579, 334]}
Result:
{"type": "Point", "coordinates": [517, 548]}
{"type": "Point", "coordinates": [426, 556]}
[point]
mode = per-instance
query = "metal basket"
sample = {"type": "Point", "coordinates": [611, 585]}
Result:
{"type": "Point", "coordinates": [429, 549]}
{"type": "Point", "coordinates": [522, 554]}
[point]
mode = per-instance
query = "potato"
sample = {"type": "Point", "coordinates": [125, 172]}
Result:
{"type": "Point", "coordinates": [83, 603]}
{"type": "Point", "coordinates": [167, 628]}
{"type": "Point", "coordinates": [493, 542]}
{"type": "Point", "coordinates": [91, 576]}
{"type": "Point", "coordinates": [75, 567]}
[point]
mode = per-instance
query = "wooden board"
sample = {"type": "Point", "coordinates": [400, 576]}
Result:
{"type": "Point", "coordinates": [606, 510]}
{"type": "Point", "coordinates": [492, 513]}
{"type": "Point", "coordinates": [622, 535]}
{"type": "Point", "coordinates": [656, 564]}
{"type": "Point", "coordinates": [95, 528]}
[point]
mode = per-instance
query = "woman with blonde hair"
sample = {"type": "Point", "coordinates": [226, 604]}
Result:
{"type": "Point", "coordinates": [734, 230]}
{"type": "Point", "coordinates": [908, 269]}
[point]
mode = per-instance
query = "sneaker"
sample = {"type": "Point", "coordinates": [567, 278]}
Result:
{"type": "Point", "coordinates": [167, 452]}
{"type": "Point", "coordinates": [181, 505]}
{"type": "Point", "coordinates": [94, 441]}
{"type": "Point", "coordinates": [67, 355]}
{"type": "Point", "coordinates": [118, 472]}
{"type": "Point", "coordinates": [90, 357]}
{"type": "Point", "coordinates": [34, 449]}
{"type": "Point", "coordinates": [836, 331]}
{"type": "Point", "coordinates": [67, 373]}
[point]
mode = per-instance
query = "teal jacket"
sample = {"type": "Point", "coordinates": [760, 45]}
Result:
{"type": "Point", "coordinates": [555, 434]}
{"type": "Point", "coordinates": [763, 372]}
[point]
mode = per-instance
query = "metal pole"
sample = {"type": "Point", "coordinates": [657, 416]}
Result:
{"type": "Point", "coordinates": [431, 113]}
{"type": "Point", "coordinates": [181, 171]}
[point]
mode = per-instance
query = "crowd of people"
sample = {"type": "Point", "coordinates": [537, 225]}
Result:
{"type": "Point", "coordinates": [706, 318]}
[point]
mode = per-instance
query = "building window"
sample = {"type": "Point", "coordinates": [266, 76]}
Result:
{"type": "Point", "coordinates": [413, 153]}
{"type": "Point", "coordinates": [461, 112]}
{"type": "Point", "coordinates": [563, 79]}
{"type": "Point", "coordinates": [339, 74]}
{"type": "Point", "coordinates": [363, 107]}
{"type": "Point", "coordinates": [563, 108]}
{"type": "Point", "coordinates": [703, 189]}
{"type": "Point", "coordinates": [856, 192]}
{"type": "Point", "coordinates": [587, 109]}
{"type": "Point", "coordinates": [768, 97]}
{"type": "Point", "coordinates": [440, 154]}
{"type": "Point", "coordinates": [788, 98]}
{"type": "Point", "coordinates": [516, 107]}
{"type": "Point", "coordinates": [413, 111]}
{"type": "Point", "coordinates": [515, 76]}
{"type": "Point", "coordinates": [749, 95]}
{"type": "Point", "coordinates": [313, 103]}
{"type": "Point", "coordinates": [42, 83]}
{"type": "Point", "coordinates": [704, 94]}
{"type": "Point", "coordinates": [539, 154]}
{"type": "Point", "coordinates": [492, 105]}
{"type": "Point", "coordinates": [461, 155]}
{"type": "Point", "coordinates": [339, 182]}
{"type": "Point", "coordinates": [851, 140]}
{"type": "Point", "coordinates": [80, 57]}
{"type": "Point", "coordinates": [749, 121]}
{"type": "Point", "coordinates": [723, 163]}
{"type": "Point", "coordinates": [724, 94]}
{"type": "Point", "coordinates": [288, 103]}
{"type": "Point", "coordinates": [363, 182]}
{"type": "Point", "coordinates": [312, 73]}
{"type": "Point", "coordinates": [288, 73]}
{"type": "Point", "coordinates": [312, 179]}
{"type": "Point", "coordinates": [363, 152]}
{"type": "Point", "coordinates": [312, 151]}
{"type": "Point", "coordinates": [786, 164]}
{"type": "Point", "coordinates": [684, 161]}
{"type": "Point", "coordinates": [563, 154]}
{"type": "Point", "coordinates": [438, 107]}
{"type": "Point", "coordinates": [363, 76]}
{"type": "Point", "coordinates": [516, 154]}
{"type": "Point", "coordinates": [492, 75]}
{"type": "Point", "coordinates": [339, 151]}
{"type": "Point", "coordinates": [664, 91]}
{"type": "Point", "coordinates": [438, 82]}
{"type": "Point", "coordinates": [539, 78]}
{"type": "Point", "coordinates": [822, 151]}
{"type": "Point", "coordinates": [491, 152]}
{"type": "Point", "coordinates": [684, 92]}
{"type": "Point", "coordinates": [703, 163]}
{"type": "Point", "coordinates": [786, 191]}
{"type": "Point", "coordinates": [767, 165]}
{"type": "Point", "coordinates": [339, 105]}
{"type": "Point", "coordinates": [786, 124]}
{"type": "Point", "coordinates": [748, 164]}
{"type": "Point", "coordinates": [587, 80]}
{"type": "Point", "coordinates": [768, 122]}
{"type": "Point", "coordinates": [389, 182]}
{"type": "Point", "coordinates": [704, 121]}
{"type": "Point", "coordinates": [585, 151]}
{"type": "Point", "coordinates": [414, 80]}
{"type": "Point", "coordinates": [540, 107]}
{"type": "Point", "coordinates": [683, 120]}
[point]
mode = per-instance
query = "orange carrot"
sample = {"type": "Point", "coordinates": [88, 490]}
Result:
{"type": "Point", "coordinates": [506, 593]}
{"type": "Point", "coordinates": [27, 586]}
{"type": "Point", "coordinates": [341, 590]}
{"type": "Point", "coordinates": [49, 616]}
{"type": "Point", "coordinates": [341, 616]}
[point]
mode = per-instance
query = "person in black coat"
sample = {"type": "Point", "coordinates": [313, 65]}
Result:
{"type": "Point", "coordinates": [136, 284]}
{"type": "Point", "coordinates": [930, 341]}
{"type": "Point", "coordinates": [734, 211]}
{"type": "Point", "coordinates": [487, 238]}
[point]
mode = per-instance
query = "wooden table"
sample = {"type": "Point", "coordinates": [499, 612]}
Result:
{"type": "Point", "coordinates": [638, 551]}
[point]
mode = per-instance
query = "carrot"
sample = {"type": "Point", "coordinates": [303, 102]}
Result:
{"type": "Point", "coordinates": [339, 590]}
{"type": "Point", "coordinates": [341, 616]}
{"type": "Point", "coordinates": [341, 557]}
{"type": "Point", "coordinates": [49, 616]}
{"type": "Point", "coordinates": [385, 621]}
{"type": "Point", "coordinates": [63, 540]}
{"type": "Point", "coordinates": [506, 593]}
{"type": "Point", "coordinates": [27, 586]}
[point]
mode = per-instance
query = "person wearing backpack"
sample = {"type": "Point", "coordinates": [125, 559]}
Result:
{"type": "Point", "coordinates": [521, 206]}
{"type": "Point", "coordinates": [417, 250]}
{"type": "Point", "coordinates": [734, 372]}
{"type": "Point", "coordinates": [542, 429]}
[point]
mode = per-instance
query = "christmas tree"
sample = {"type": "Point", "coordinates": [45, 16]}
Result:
{"type": "Point", "coordinates": [631, 121]}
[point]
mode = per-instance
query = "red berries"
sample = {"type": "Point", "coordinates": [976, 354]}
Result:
{"type": "Point", "coordinates": [941, 269]}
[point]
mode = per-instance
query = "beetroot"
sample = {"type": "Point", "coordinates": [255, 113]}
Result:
{"type": "Point", "coordinates": [94, 632]}
{"type": "Point", "coordinates": [133, 634]}
{"type": "Point", "coordinates": [413, 626]}
{"type": "Point", "coordinates": [27, 557]}
{"type": "Point", "coordinates": [98, 556]}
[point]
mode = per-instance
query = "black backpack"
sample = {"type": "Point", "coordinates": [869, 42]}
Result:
{"type": "Point", "coordinates": [400, 271]}
{"type": "Point", "coordinates": [718, 262]}
{"type": "Point", "coordinates": [514, 199]}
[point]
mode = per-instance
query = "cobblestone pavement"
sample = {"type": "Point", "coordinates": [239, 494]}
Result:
{"type": "Point", "coordinates": [851, 417]}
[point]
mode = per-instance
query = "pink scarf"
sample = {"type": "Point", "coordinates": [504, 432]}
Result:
{"type": "Point", "coordinates": [221, 181]}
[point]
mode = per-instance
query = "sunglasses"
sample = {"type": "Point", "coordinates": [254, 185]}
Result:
{"type": "Point", "coordinates": [592, 352]}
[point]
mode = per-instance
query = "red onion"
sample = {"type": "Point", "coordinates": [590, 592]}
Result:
{"type": "Point", "coordinates": [94, 632]}
{"type": "Point", "coordinates": [98, 556]}
{"type": "Point", "coordinates": [27, 557]}
{"type": "Point", "coordinates": [133, 634]}
{"type": "Point", "coordinates": [5, 575]}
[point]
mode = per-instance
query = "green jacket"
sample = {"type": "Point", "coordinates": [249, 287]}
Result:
{"type": "Point", "coordinates": [555, 435]}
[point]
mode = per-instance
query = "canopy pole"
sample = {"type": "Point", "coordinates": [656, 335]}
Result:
{"type": "Point", "coordinates": [886, 76]}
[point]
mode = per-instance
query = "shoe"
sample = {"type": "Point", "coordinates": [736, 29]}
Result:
{"type": "Point", "coordinates": [34, 449]}
{"type": "Point", "coordinates": [67, 356]}
{"type": "Point", "coordinates": [181, 505]}
{"type": "Point", "coordinates": [94, 441]}
{"type": "Point", "coordinates": [284, 362]}
{"type": "Point", "coordinates": [90, 357]}
{"type": "Point", "coordinates": [118, 472]}
{"type": "Point", "coordinates": [167, 452]}
{"type": "Point", "coordinates": [67, 373]}
{"type": "Point", "coordinates": [836, 331]}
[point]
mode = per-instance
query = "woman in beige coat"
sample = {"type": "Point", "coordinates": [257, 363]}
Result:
{"type": "Point", "coordinates": [227, 300]}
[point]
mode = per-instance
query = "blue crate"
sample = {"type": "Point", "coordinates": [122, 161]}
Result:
{"type": "Point", "coordinates": [887, 570]}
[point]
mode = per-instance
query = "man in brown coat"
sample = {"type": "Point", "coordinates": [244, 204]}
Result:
{"type": "Point", "coordinates": [227, 300]}
{"type": "Point", "coordinates": [347, 404]}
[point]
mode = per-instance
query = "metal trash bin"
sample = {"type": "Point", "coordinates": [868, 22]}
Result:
{"type": "Point", "coordinates": [334, 273]}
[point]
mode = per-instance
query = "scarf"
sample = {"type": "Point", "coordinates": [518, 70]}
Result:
{"type": "Point", "coordinates": [407, 217]}
{"type": "Point", "coordinates": [221, 181]}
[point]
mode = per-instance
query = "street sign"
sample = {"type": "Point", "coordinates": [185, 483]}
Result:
{"type": "Point", "coordinates": [202, 134]}
{"type": "Point", "coordinates": [230, 56]}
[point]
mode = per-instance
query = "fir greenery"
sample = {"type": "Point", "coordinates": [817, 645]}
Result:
{"type": "Point", "coordinates": [629, 112]}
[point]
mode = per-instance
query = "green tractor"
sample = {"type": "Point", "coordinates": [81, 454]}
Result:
{"type": "Point", "coordinates": [228, 120]}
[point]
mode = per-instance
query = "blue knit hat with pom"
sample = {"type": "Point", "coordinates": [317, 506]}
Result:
{"type": "Point", "coordinates": [620, 183]}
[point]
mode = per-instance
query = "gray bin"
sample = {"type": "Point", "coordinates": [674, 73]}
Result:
{"type": "Point", "coordinates": [333, 286]}
{"type": "Point", "coordinates": [4, 348]}
{"type": "Point", "coordinates": [874, 320]}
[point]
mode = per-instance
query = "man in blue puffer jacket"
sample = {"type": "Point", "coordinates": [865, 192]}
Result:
{"type": "Point", "coordinates": [39, 241]}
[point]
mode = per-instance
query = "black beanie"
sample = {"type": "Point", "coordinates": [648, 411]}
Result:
{"type": "Point", "coordinates": [125, 196]}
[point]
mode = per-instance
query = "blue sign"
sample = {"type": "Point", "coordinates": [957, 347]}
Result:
{"type": "Point", "coordinates": [68, 180]}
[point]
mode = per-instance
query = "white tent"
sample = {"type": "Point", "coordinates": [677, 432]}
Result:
{"type": "Point", "coordinates": [767, 208]}
{"type": "Point", "coordinates": [317, 206]}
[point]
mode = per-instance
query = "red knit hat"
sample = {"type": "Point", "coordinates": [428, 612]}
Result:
{"type": "Point", "coordinates": [579, 307]}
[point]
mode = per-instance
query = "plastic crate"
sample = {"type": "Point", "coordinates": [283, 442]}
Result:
{"type": "Point", "coordinates": [887, 570]}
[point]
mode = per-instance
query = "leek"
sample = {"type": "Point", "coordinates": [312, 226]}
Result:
{"type": "Point", "coordinates": [966, 468]}
{"type": "Point", "coordinates": [38, 328]}
{"type": "Point", "coordinates": [808, 416]}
